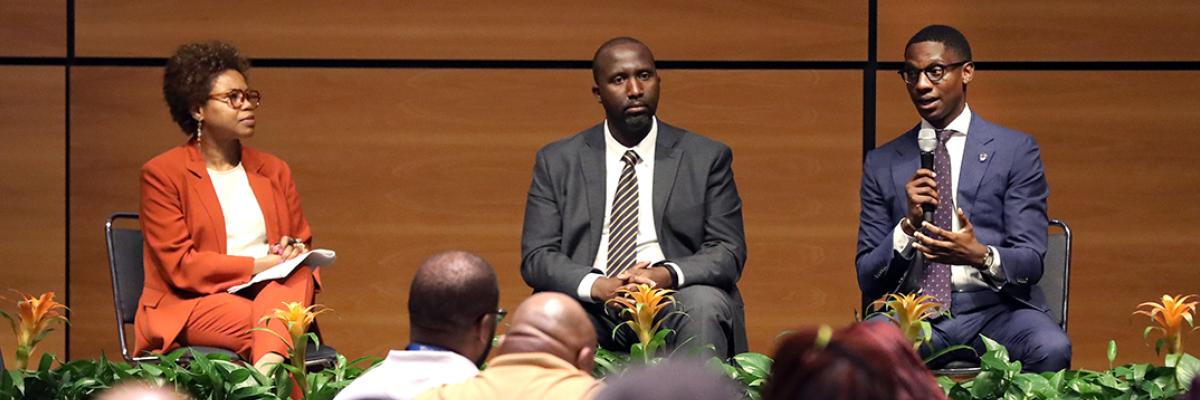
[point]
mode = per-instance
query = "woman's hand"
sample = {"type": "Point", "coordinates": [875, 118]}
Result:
{"type": "Point", "coordinates": [262, 263]}
{"type": "Point", "coordinates": [288, 248]}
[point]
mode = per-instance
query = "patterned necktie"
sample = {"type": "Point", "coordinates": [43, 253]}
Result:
{"type": "Point", "coordinates": [623, 219]}
{"type": "Point", "coordinates": [937, 275]}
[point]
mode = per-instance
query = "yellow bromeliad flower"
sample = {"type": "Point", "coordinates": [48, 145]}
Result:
{"type": "Point", "coordinates": [1168, 318]}
{"type": "Point", "coordinates": [35, 314]}
{"type": "Point", "coordinates": [296, 317]}
{"type": "Point", "coordinates": [909, 313]}
{"type": "Point", "coordinates": [642, 306]}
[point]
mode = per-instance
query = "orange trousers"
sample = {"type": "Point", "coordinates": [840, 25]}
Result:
{"type": "Point", "coordinates": [225, 320]}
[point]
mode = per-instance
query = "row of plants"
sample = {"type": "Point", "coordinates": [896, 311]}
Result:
{"type": "Point", "coordinates": [216, 377]}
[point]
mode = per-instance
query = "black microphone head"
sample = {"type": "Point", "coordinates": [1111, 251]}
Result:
{"type": "Point", "coordinates": [927, 140]}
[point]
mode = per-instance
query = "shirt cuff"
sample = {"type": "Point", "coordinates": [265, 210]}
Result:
{"type": "Point", "coordinates": [901, 242]}
{"type": "Point", "coordinates": [995, 270]}
{"type": "Point", "coordinates": [584, 292]}
{"type": "Point", "coordinates": [678, 273]}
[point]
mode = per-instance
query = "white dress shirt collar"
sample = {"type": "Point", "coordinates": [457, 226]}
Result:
{"type": "Point", "coordinates": [644, 149]}
{"type": "Point", "coordinates": [960, 123]}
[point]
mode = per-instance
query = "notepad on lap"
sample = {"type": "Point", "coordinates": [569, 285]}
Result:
{"type": "Point", "coordinates": [313, 258]}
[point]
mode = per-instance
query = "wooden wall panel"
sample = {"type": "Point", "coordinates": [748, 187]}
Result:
{"type": "Point", "coordinates": [522, 30]}
{"type": "Point", "coordinates": [32, 187]}
{"type": "Point", "coordinates": [1121, 162]}
{"type": "Point", "coordinates": [1030, 30]}
{"type": "Point", "coordinates": [33, 28]}
{"type": "Point", "coordinates": [394, 165]}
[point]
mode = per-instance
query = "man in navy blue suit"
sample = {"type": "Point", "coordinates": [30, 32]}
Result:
{"type": "Point", "coordinates": [981, 251]}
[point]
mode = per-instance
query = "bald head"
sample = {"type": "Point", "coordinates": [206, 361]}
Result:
{"type": "Point", "coordinates": [139, 390]}
{"type": "Point", "coordinates": [552, 323]}
{"type": "Point", "coordinates": [601, 58]}
{"type": "Point", "coordinates": [451, 291]}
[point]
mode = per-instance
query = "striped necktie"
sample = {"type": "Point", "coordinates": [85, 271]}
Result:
{"type": "Point", "coordinates": [623, 219]}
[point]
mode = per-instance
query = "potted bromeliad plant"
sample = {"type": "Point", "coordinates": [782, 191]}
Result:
{"type": "Point", "coordinates": [646, 308]}
{"type": "Point", "coordinates": [298, 318]}
{"type": "Point", "coordinates": [33, 322]}
{"type": "Point", "coordinates": [643, 307]}
{"type": "Point", "coordinates": [1168, 318]}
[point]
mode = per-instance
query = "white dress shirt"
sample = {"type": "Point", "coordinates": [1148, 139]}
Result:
{"type": "Point", "coordinates": [245, 229]}
{"type": "Point", "coordinates": [962, 277]}
{"type": "Point", "coordinates": [646, 248]}
{"type": "Point", "coordinates": [405, 374]}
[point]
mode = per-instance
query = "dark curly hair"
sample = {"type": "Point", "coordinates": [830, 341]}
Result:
{"type": "Point", "coordinates": [190, 74]}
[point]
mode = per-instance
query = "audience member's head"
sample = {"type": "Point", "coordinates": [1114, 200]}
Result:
{"type": "Point", "coordinates": [1194, 392]}
{"type": "Point", "coordinates": [140, 390]}
{"type": "Point", "coordinates": [683, 379]}
{"type": "Point", "coordinates": [453, 303]}
{"type": "Point", "coordinates": [864, 361]}
{"type": "Point", "coordinates": [552, 323]}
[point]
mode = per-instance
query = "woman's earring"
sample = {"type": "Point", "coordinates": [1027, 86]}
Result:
{"type": "Point", "coordinates": [199, 130]}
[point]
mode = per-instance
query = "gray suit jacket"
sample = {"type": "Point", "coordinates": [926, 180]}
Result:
{"type": "Point", "coordinates": [697, 210]}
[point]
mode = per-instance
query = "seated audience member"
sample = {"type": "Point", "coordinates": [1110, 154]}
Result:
{"type": "Point", "coordinates": [140, 390]}
{"type": "Point", "coordinates": [546, 354]}
{"type": "Point", "coordinates": [685, 379]}
{"type": "Point", "coordinates": [214, 212]}
{"type": "Point", "coordinates": [864, 361]}
{"type": "Point", "coordinates": [452, 308]}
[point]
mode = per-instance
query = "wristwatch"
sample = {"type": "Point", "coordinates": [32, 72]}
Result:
{"type": "Point", "coordinates": [988, 257]}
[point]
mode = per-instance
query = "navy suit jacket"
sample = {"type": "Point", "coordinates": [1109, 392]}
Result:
{"type": "Point", "coordinates": [1001, 188]}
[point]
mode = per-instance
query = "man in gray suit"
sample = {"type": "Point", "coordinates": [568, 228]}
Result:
{"type": "Point", "coordinates": [634, 200]}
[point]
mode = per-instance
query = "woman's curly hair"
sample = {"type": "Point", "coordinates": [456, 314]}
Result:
{"type": "Point", "coordinates": [190, 74]}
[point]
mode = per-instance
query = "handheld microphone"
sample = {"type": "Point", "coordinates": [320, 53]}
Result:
{"type": "Point", "coordinates": [927, 142]}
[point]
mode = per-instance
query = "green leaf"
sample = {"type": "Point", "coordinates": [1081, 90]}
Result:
{"type": "Point", "coordinates": [1185, 369]}
{"type": "Point", "coordinates": [947, 350]}
{"type": "Point", "coordinates": [46, 363]}
{"type": "Point", "coordinates": [1112, 352]}
{"type": "Point", "coordinates": [1139, 372]}
{"type": "Point", "coordinates": [986, 385]}
{"type": "Point", "coordinates": [757, 365]}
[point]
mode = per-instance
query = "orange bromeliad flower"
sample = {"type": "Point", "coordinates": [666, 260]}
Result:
{"type": "Point", "coordinates": [33, 322]}
{"type": "Point", "coordinates": [643, 306]}
{"type": "Point", "coordinates": [908, 312]}
{"type": "Point", "coordinates": [1169, 317]}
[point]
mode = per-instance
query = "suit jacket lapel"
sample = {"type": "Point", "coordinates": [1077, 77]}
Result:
{"type": "Point", "coordinates": [591, 159]}
{"type": "Point", "coordinates": [908, 161]}
{"type": "Point", "coordinates": [666, 165]}
{"type": "Point", "coordinates": [977, 156]}
{"type": "Point", "coordinates": [263, 192]}
{"type": "Point", "coordinates": [203, 190]}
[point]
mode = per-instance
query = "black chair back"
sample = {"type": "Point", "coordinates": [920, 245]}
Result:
{"type": "Point", "coordinates": [1056, 275]}
{"type": "Point", "coordinates": [128, 278]}
{"type": "Point", "coordinates": [125, 266]}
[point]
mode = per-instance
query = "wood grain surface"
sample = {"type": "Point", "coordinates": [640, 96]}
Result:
{"type": "Point", "coordinates": [520, 30]}
{"type": "Point", "coordinates": [32, 193]}
{"type": "Point", "coordinates": [1071, 30]}
{"type": "Point", "coordinates": [33, 28]}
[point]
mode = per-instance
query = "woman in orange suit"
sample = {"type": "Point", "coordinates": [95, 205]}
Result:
{"type": "Point", "coordinates": [214, 212]}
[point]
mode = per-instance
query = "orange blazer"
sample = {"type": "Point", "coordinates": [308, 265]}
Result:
{"type": "Point", "coordinates": [184, 231]}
